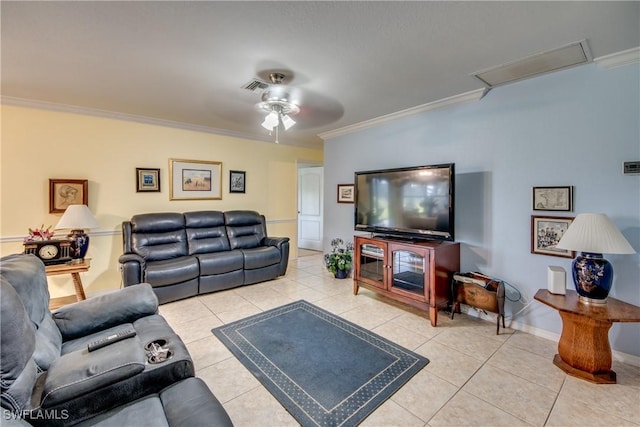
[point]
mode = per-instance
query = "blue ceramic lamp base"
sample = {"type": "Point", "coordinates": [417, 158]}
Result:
{"type": "Point", "coordinates": [79, 244]}
{"type": "Point", "coordinates": [592, 276]}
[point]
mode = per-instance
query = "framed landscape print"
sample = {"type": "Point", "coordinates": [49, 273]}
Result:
{"type": "Point", "coordinates": [65, 192]}
{"type": "Point", "coordinates": [195, 180]}
{"type": "Point", "coordinates": [237, 181]}
{"type": "Point", "coordinates": [147, 180]}
{"type": "Point", "coordinates": [546, 232]}
{"type": "Point", "coordinates": [553, 199]}
{"type": "Point", "coordinates": [346, 193]}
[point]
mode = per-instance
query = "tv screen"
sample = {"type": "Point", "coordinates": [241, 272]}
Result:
{"type": "Point", "coordinates": [416, 202]}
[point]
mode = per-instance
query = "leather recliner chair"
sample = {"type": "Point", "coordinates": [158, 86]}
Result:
{"type": "Point", "coordinates": [49, 377]}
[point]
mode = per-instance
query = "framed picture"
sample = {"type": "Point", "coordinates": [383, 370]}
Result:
{"type": "Point", "coordinates": [546, 232]}
{"type": "Point", "coordinates": [237, 181]}
{"type": "Point", "coordinates": [553, 199]}
{"type": "Point", "coordinates": [65, 192]}
{"type": "Point", "coordinates": [346, 193]}
{"type": "Point", "coordinates": [147, 180]}
{"type": "Point", "coordinates": [195, 180]}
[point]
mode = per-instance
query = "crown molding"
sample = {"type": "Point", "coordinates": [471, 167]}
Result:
{"type": "Point", "coordinates": [619, 59]}
{"type": "Point", "coordinates": [462, 98]}
{"type": "Point", "coordinates": [74, 109]}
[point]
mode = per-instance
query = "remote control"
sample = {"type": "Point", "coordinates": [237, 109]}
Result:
{"type": "Point", "coordinates": [115, 337]}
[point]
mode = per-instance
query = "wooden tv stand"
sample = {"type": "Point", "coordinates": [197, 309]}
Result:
{"type": "Point", "coordinates": [417, 273]}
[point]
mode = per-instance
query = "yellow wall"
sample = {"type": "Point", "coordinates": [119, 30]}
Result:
{"type": "Point", "coordinates": [37, 145]}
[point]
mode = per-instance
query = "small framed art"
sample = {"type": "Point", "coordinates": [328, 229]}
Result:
{"type": "Point", "coordinates": [195, 180]}
{"type": "Point", "coordinates": [237, 181]}
{"type": "Point", "coordinates": [147, 180]}
{"type": "Point", "coordinates": [65, 192]}
{"type": "Point", "coordinates": [346, 193]}
{"type": "Point", "coordinates": [553, 198]}
{"type": "Point", "coordinates": [546, 232]}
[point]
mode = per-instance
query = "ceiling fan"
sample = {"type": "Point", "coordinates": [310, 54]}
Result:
{"type": "Point", "coordinates": [281, 102]}
{"type": "Point", "coordinates": [277, 101]}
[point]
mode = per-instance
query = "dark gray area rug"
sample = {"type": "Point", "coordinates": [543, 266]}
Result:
{"type": "Point", "coordinates": [325, 370]}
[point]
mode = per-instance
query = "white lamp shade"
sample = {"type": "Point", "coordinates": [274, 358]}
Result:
{"type": "Point", "coordinates": [287, 122]}
{"type": "Point", "coordinates": [270, 121]}
{"type": "Point", "coordinates": [77, 217]}
{"type": "Point", "coordinates": [594, 233]}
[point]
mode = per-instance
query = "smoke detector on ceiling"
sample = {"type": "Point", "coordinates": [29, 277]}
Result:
{"type": "Point", "coordinates": [554, 60]}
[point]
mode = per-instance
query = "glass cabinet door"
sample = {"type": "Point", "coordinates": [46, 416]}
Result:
{"type": "Point", "coordinates": [372, 266]}
{"type": "Point", "coordinates": [408, 270]}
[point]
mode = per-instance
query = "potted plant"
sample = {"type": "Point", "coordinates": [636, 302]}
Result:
{"type": "Point", "coordinates": [340, 259]}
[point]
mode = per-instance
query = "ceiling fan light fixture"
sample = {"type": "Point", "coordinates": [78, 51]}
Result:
{"type": "Point", "coordinates": [271, 120]}
{"type": "Point", "coordinates": [287, 122]}
{"type": "Point", "coordinates": [276, 102]}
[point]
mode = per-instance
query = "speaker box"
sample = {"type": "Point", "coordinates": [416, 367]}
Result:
{"type": "Point", "coordinates": [556, 280]}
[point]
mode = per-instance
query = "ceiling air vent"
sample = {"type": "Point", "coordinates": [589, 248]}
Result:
{"type": "Point", "coordinates": [255, 85]}
{"type": "Point", "coordinates": [554, 60]}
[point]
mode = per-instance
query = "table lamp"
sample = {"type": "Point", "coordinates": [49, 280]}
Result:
{"type": "Point", "coordinates": [593, 235]}
{"type": "Point", "coordinates": [77, 218]}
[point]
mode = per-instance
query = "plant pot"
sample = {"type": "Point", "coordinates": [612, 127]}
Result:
{"type": "Point", "coordinates": [341, 274]}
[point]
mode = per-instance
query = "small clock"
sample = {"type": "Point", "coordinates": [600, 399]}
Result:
{"type": "Point", "coordinates": [50, 251]}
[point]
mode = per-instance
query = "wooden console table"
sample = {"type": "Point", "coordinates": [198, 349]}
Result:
{"type": "Point", "coordinates": [74, 270]}
{"type": "Point", "coordinates": [583, 350]}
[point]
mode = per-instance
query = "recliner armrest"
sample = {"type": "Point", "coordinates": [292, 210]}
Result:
{"type": "Point", "coordinates": [75, 374]}
{"type": "Point", "coordinates": [104, 311]}
{"type": "Point", "coordinates": [132, 267]}
{"type": "Point", "coordinates": [275, 241]}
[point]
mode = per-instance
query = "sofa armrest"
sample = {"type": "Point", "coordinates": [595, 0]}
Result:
{"type": "Point", "coordinates": [78, 373]}
{"type": "Point", "coordinates": [104, 311]}
{"type": "Point", "coordinates": [282, 244]}
{"type": "Point", "coordinates": [275, 241]}
{"type": "Point", "coordinates": [132, 267]}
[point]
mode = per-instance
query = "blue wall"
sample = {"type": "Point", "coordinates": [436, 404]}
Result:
{"type": "Point", "coordinates": [574, 127]}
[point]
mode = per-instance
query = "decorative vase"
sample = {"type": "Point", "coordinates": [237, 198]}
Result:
{"type": "Point", "coordinates": [341, 274]}
{"type": "Point", "coordinates": [592, 276]}
{"type": "Point", "coordinates": [79, 244]}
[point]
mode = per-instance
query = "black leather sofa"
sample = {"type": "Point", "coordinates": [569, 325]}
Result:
{"type": "Point", "coordinates": [49, 377]}
{"type": "Point", "coordinates": [192, 253]}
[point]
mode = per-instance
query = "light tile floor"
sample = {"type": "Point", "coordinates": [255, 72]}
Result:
{"type": "Point", "coordinates": [474, 378]}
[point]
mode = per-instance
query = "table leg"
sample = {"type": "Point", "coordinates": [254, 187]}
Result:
{"type": "Point", "coordinates": [583, 349]}
{"type": "Point", "coordinates": [433, 315]}
{"type": "Point", "coordinates": [77, 283]}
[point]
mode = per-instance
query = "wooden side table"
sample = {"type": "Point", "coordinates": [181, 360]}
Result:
{"type": "Point", "coordinates": [583, 350]}
{"type": "Point", "coordinates": [74, 270]}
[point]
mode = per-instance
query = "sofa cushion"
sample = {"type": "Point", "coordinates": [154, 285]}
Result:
{"type": "Point", "coordinates": [17, 341]}
{"type": "Point", "coordinates": [245, 229]}
{"type": "Point", "coordinates": [186, 403]}
{"type": "Point", "coordinates": [171, 271]}
{"type": "Point", "coordinates": [220, 262]}
{"type": "Point", "coordinates": [260, 257]}
{"type": "Point", "coordinates": [206, 232]}
{"type": "Point", "coordinates": [158, 236]}
{"type": "Point", "coordinates": [26, 275]}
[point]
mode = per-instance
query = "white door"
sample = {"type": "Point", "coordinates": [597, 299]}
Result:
{"type": "Point", "coordinates": [310, 208]}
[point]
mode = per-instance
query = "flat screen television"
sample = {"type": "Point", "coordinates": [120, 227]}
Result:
{"type": "Point", "coordinates": [414, 202]}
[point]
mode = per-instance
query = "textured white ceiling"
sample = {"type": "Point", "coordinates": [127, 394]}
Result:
{"type": "Point", "coordinates": [185, 62]}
